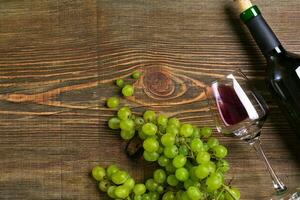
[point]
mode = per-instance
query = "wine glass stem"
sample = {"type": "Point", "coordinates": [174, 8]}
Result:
{"type": "Point", "coordinates": [277, 183]}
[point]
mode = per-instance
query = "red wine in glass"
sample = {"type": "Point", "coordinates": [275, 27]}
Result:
{"type": "Point", "coordinates": [231, 109]}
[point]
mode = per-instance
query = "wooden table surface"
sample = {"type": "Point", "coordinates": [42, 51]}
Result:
{"type": "Point", "coordinates": [58, 61]}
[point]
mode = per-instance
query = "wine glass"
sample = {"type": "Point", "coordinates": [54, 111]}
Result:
{"type": "Point", "coordinates": [238, 109]}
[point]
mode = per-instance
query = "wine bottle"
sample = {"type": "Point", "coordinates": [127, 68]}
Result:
{"type": "Point", "coordinates": [283, 71]}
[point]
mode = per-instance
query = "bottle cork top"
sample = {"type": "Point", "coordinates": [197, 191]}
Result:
{"type": "Point", "coordinates": [243, 5]}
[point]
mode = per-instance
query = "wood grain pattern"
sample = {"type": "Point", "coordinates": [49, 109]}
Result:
{"type": "Point", "coordinates": [58, 61]}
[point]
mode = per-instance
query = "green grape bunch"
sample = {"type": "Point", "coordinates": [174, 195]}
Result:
{"type": "Point", "coordinates": [191, 164]}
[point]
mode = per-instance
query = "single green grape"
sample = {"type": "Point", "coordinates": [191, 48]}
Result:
{"type": "Point", "coordinates": [194, 193]}
{"type": "Point", "coordinates": [206, 132]}
{"type": "Point", "coordinates": [196, 145]}
{"type": "Point", "coordinates": [98, 173]}
{"type": "Point", "coordinates": [188, 183]}
{"type": "Point", "coordinates": [203, 157]}
{"type": "Point", "coordinates": [149, 129]}
{"type": "Point", "coordinates": [220, 151]}
{"type": "Point", "coordinates": [154, 195]}
{"type": "Point", "coordinates": [214, 182]}
{"type": "Point", "coordinates": [139, 189]}
{"type": "Point", "coordinates": [112, 102]}
{"type": "Point", "coordinates": [142, 135]}
{"type": "Point", "coordinates": [110, 170]}
{"type": "Point", "coordinates": [232, 194]}
{"type": "Point", "coordinates": [129, 183]}
{"type": "Point", "coordinates": [211, 142]}
{"type": "Point", "coordinates": [172, 180]}
{"type": "Point", "coordinates": [171, 151]}
{"type": "Point", "coordinates": [183, 150]}
{"type": "Point", "coordinates": [169, 196]}
{"type": "Point", "coordinates": [172, 129]}
{"type": "Point", "coordinates": [223, 166]}
{"type": "Point", "coordinates": [151, 144]}
{"type": "Point", "coordinates": [178, 195]}
{"type": "Point", "coordinates": [186, 130]}
{"type": "Point", "coordinates": [104, 185]}
{"type": "Point", "coordinates": [162, 129]}
{"type": "Point", "coordinates": [139, 122]}
{"type": "Point", "coordinates": [149, 116]}
{"type": "Point", "coordinates": [196, 132]}
{"type": "Point", "coordinates": [146, 197]}
{"type": "Point", "coordinates": [170, 168]}
{"type": "Point", "coordinates": [119, 177]}
{"type": "Point", "coordinates": [160, 149]}
{"type": "Point", "coordinates": [168, 139]}
{"type": "Point", "coordinates": [179, 161]}
{"type": "Point", "coordinates": [151, 185]}
{"type": "Point", "coordinates": [174, 121]}
{"type": "Point", "coordinates": [162, 120]}
{"type": "Point", "coordinates": [136, 75]}
{"type": "Point", "coordinates": [127, 90]}
{"type": "Point", "coordinates": [185, 196]}
{"type": "Point", "coordinates": [124, 113]}
{"type": "Point", "coordinates": [202, 171]}
{"type": "Point", "coordinates": [120, 83]}
{"type": "Point", "coordinates": [111, 191]}
{"type": "Point", "coordinates": [127, 135]}
{"type": "Point", "coordinates": [211, 166]}
{"type": "Point", "coordinates": [127, 125]}
{"type": "Point", "coordinates": [160, 189]}
{"type": "Point", "coordinates": [159, 176]}
{"type": "Point", "coordinates": [205, 147]}
{"type": "Point", "coordinates": [150, 156]}
{"type": "Point", "coordinates": [114, 123]}
{"type": "Point", "coordinates": [192, 174]}
{"type": "Point", "coordinates": [122, 191]}
{"type": "Point", "coordinates": [163, 161]}
{"type": "Point", "coordinates": [182, 174]}
{"type": "Point", "coordinates": [137, 197]}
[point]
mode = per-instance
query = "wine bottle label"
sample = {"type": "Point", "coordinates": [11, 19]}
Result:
{"type": "Point", "coordinates": [298, 71]}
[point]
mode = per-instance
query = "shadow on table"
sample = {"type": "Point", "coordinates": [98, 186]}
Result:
{"type": "Point", "coordinates": [290, 139]}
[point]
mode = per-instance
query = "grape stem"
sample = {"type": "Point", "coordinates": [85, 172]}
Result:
{"type": "Point", "coordinates": [228, 190]}
{"type": "Point", "coordinates": [188, 146]}
{"type": "Point", "coordinates": [220, 194]}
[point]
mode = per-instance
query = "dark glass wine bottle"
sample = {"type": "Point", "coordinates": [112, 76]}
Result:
{"type": "Point", "coordinates": [283, 72]}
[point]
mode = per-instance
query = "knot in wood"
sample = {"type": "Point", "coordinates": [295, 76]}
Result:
{"type": "Point", "coordinates": [159, 82]}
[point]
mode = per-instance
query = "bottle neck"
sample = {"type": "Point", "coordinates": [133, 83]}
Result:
{"type": "Point", "coordinates": [261, 32]}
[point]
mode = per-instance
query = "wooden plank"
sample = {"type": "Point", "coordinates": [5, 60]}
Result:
{"type": "Point", "coordinates": [58, 61]}
{"type": "Point", "coordinates": [48, 66]}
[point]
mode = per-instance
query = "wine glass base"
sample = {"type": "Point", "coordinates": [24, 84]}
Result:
{"type": "Point", "coordinates": [289, 194]}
